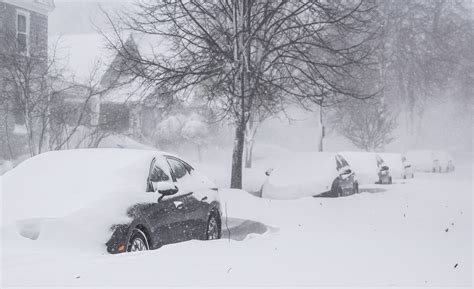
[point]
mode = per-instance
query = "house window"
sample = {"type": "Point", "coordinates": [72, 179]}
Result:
{"type": "Point", "coordinates": [22, 31]}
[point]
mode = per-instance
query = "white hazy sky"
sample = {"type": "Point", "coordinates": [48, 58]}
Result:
{"type": "Point", "coordinates": [78, 17]}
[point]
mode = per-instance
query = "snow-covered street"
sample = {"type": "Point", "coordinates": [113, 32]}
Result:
{"type": "Point", "coordinates": [412, 233]}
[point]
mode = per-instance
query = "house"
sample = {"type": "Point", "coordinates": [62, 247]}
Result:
{"type": "Point", "coordinates": [23, 39]}
{"type": "Point", "coordinates": [27, 22]}
{"type": "Point", "coordinates": [126, 106]}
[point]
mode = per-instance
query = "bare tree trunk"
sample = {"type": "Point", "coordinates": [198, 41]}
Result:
{"type": "Point", "coordinates": [237, 154]}
{"type": "Point", "coordinates": [248, 153]}
{"type": "Point", "coordinates": [199, 153]}
{"type": "Point", "coordinates": [321, 126]}
{"type": "Point", "coordinates": [411, 105]}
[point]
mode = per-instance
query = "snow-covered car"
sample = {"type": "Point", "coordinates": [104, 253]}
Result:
{"type": "Point", "coordinates": [127, 200]}
{"type": "Point", "coordinates": [384, 172]}
{"type": "Point", "coordinates": [445, 161]}
{"type": "Point", "coordinates": [431, 161]}
{"type": "Point", "coordinates": [310, 174]}
{"type": "Point", "coordinates": [400, 168]}
{"type": "Point", "coordinates": [370, 167]}
{"type": "Point", "coordinates": [423, 160]}
{"type": "Point", "coordinates": [408, 170]}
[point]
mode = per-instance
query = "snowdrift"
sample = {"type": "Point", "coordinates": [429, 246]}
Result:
{"type": "Point", "coordinates": [423, 160]}
{"type": "Point", "coordinates": [74, 197]}
{"type": "Point", "coordinates": [301, 175]}
{"type": "Point", "coordinates": [365, 166]}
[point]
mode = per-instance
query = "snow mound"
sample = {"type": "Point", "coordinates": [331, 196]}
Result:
{"type": "Point", "coordinates": [56, 184]}
{"type": "Point", "coordinates": [422, 160]}
{"type": "Point", "coordinates": [364, 164]}
{"type": "Point", "coordinates": [301, 175]}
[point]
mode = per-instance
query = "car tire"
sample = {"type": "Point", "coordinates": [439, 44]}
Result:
{"type": "Point", "coordinates": [137, 241]}
{"type": "Point", "coordinates": [356, 188]}
{"type": "Point", "coordinates": [213, 227]}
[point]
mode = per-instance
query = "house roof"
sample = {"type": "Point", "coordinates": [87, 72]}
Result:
{"type": "Point", "coordinates": [40, 6]}
{"type": "Point", "coordinates": [87, 58]}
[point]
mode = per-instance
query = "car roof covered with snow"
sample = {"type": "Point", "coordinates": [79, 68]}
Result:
{"type": "Point", "coordinates": [364, 164]}
{"type": "Point", "coordinates": [301, 175]}
{"type": "Point", "coordinates": [54, 184]}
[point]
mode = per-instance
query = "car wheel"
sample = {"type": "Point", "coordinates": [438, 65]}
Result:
{"type": "Point", "coordinates": [213, 231]}
{"type": "Point", "coordinates": [138, 241]}
{"type": "Point", "coordinates": [356, 188]}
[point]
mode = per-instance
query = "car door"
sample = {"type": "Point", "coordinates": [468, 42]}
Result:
{"type": "Point", "coordinates": [195, 201]}
{"type": "Point", "coordinates": [167, 212]}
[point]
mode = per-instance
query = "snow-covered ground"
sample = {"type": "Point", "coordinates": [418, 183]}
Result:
{"type": "Point", "coordinates": [412, 233]}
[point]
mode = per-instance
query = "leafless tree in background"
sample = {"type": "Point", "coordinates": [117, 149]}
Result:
{"type": "Point", "coordinates": [34, 97]}
{"type": "Point", "coordinates": [237, 50]}
{"type": "Point", "coordinates": [423, 44]}
{"type": "Point", "coordinates": [366, 123]}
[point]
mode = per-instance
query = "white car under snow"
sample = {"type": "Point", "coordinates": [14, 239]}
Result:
{"type": "Point", "coordinates": [431, 161]}
{"type": "Point", "coordinates": [310, 174]}
{"type": "Point", "coordinates": [400, 167]}
{"type": "Point", "coordinates": [368, 167]}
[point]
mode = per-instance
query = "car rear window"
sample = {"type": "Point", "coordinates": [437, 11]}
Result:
{"type": "Point", "coordinates": [178, 168]}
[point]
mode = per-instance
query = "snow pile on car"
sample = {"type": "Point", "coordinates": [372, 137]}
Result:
{"type": "Point", "coordinates": [422, 160]}
{"type": "Point", "coordinates": [301, 175]}
{"type": "Point", "coordinates": [364, 165]}
{"type": "Point", "coordinates": [75, 196]}
{"type": "Point", "coordinates": [394, 163]}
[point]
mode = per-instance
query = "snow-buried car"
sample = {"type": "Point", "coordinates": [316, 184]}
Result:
{"type": "Point", "coordinates": [369, 166]}
{"type": "Point", "coordinates": [128, 200]}
{"type": "Point", "coordinates": [311, 174]}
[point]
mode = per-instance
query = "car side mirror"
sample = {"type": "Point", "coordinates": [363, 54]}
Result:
{"type": "Point", "coordinates": [268, 172]}
{"type": "Point", "coordinates": [346, 172]}
{"type": "Point", "coordinates": [166, 188]}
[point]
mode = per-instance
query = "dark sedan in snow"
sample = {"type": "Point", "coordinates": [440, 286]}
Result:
{"type": "Point", "coordinates": [118, 200]}
{"type": "Point", "coordinates": [187, 208]}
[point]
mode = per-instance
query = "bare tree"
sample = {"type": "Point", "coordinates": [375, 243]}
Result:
{"type": "Point", "coordinates": [55, 112]}
{"type": "Point", "coordinates": [235, 51]}
{"type": "Point", "coordinates": [421, 46]}
{"type": "Point", "coordinates": [367, 124]}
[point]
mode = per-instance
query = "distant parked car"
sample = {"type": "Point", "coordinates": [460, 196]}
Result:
{"type": "Point", "coordinates": [310, 174]}
{"type": "Point", "coordinates": [408, 171]}
{"type": "Point", "coordinates": [400, 167]}
{"type": "Point", "coordinates": [423, 160]}
{"type": "Point", "coordinates": [431, 161]}
{"type": "Point", "coordinates": [370, 167]}
{"type": "Point", "coordinates": [385, 176]}
{"type": "Point", "coordinates": [128, 200]}
{"type": "Point", "coordinates": [445, 161]}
